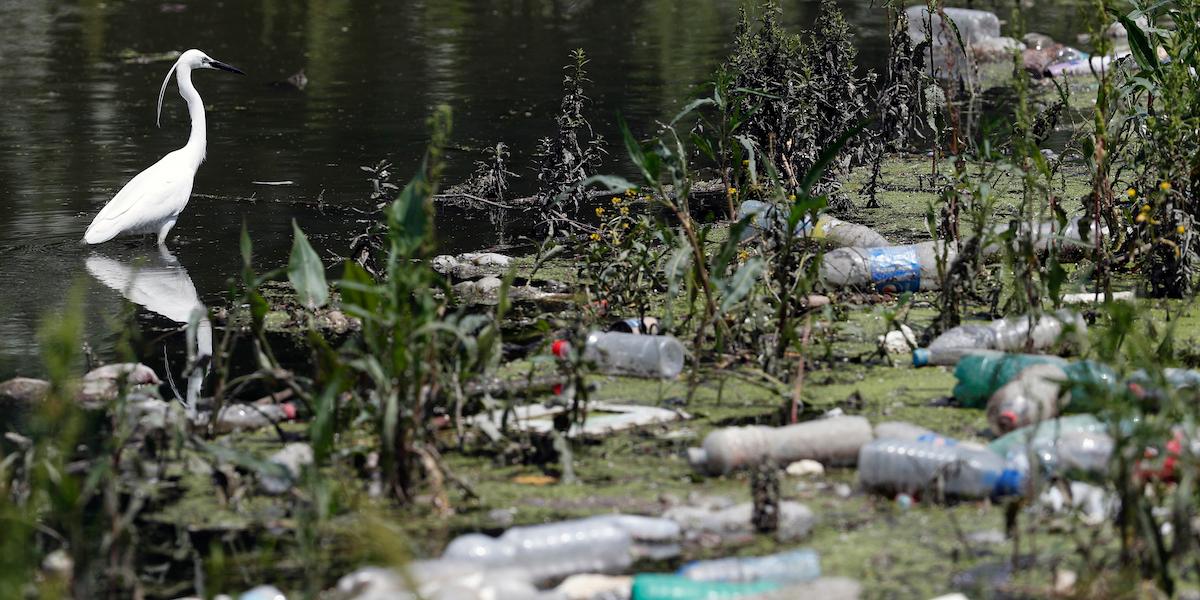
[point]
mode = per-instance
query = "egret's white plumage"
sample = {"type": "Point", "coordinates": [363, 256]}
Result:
{"type": "Point", "coordinates": [161, 284]}
{"type": "Point", "coordinates": [151, 201]}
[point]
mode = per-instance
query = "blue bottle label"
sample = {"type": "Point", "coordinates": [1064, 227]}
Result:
{"type": "Point", "coordinates": [895, 269]}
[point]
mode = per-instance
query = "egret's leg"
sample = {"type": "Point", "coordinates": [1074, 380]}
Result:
{"type": "Point", "coordinates": [162, 233]}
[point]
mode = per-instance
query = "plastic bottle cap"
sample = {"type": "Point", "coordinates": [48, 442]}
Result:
{"type": "Point", "coordinates": [559, 348]}
{"type": "Point", "coordinates": [1008, 419]}
{"type": "Point", "coordinates": [920, 357]}
{"type": "Point", "coordinates": [1009, 483]}
{"type": "Point", "coordinates": [289, 410]}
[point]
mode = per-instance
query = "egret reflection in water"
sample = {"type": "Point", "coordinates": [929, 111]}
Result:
{"type": "Point", "coordinates": [158, 281]}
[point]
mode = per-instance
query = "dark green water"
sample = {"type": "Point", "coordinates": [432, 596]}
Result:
{"type": "Point", "coordinates": [78, 120]}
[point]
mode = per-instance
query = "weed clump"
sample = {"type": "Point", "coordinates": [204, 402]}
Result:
{"type": "Point", "coordinates": [574, 153]}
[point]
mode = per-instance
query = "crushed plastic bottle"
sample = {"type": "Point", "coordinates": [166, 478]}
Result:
{"type": "Point", "coordinates": [827, 228]}
{"type": "Point", "coordinates": [980, 374]}
{"type": "Point", "coordinates": [1038, 393]}
{"type": "Point", "coordinates": [658, 586]}
{"type": "Point", "coordinates": [972, 25]}
{"type": "Point", "coordinates": [835, 440]}
{"type": "Point", "coordinates": [1014, 333]}
{"type": "Point", "coordinates": [1046, 430]}
{"type": "Point", "coordinates": [659, 356]}
{"type": "Point", "coordinates": [786, 567]}
{"type": "Point", "coordinates": [1068, 453]}
{"type": "Point", "coordinates": [603, 544]}
{"type": "Point", "coordinates": [904, 467]}
{"type": "Point", "coordinates": [887, 269]}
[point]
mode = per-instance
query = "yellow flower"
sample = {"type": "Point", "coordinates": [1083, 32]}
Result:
{"type": "Point", "coordinates": [1141, 218]}
{"type": "Point", "coordinates": [596, 237]}
{"type": "Point", "coordinates": [742, 255]}
{"type": "Point", "coordinates": [1180, 229]}
{"type": "Point", "coordinates": [599, 211]}
{"type": "Point", "coordinates": [791, 197]}
{"type": "Point", "coordinates": [631, 192]}
{"type": "Point", "coordinates": [745, 163]}
{"type": "Point", "coordinates": [1145, 208]}
{"type": "Point", "coordinates": [626, 225]}
{"type": "Point", "coordinates": [1132, 193]}
{"type": "Point", "coordinates": [731, 191]}
{"type": "Point", "coordinates": [1165, 186]}
{"type": "Point", "coordinates": [616, 200]}
{"type": "Point", "coordinates": [625, 210]}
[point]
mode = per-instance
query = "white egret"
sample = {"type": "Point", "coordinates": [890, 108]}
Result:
{"type": "Point", "coordinates": [152, 201]}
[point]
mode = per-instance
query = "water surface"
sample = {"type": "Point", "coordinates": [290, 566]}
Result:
{"type": "Point", "coordinates": [79, 120]}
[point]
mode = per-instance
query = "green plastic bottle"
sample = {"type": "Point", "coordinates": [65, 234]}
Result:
{"type": "Point", "coordinates": [980, 374]}
{"type": "Point", "coordinates": [661, 586]}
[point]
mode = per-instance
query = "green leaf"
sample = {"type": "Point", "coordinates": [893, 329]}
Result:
{"type": "Point", "coordinates": [612, 183]}
{"type": "Point", "coordinates": [748, 144]}
{"type": "Point", "coordinates": [827, 155]}
{"type": "Point", "coordinates": [245, 245]}
{"type": "Point", "coordinates": [676, 267]}
{"type": "Point", "coordinates": [691, 107]}
{"type": "Point", "coordinates": [734, 289]}
{"type": "Point", "coordinates": [647, 163]}
{"type": "Point", "coordinates": [409, 215]}
{"type": "Point", "coordinates": [1140, 46]}
{"type": "Point", "coordinates": [306, 272]}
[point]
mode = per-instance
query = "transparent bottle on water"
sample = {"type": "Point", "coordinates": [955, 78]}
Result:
{"type": "Point", "coordinates": [659, 356]}
{"type": "Point", "coordinates": [786, 567]}
{"type": "Point", "coordinates": [1011, 334]}
{"type": "Point", "coordinates": [908, 467]}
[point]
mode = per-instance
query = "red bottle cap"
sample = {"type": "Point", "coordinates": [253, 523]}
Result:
{"type": "Point", "coordinates": [1008, 419]}
{"type": "Point", "coordinates": [289, 410]}
{"type": "Point", "coordinates": [559, 348]}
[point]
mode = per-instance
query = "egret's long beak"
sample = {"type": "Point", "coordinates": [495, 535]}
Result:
{"type": "Point", "coordinates": [216, 64]}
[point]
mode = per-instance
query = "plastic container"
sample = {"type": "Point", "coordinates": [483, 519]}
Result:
{"type": "Point", "coordinates": [616, 353]}
{"type": "Point", "coordinates": [293, 457]}
{"type": "Point", "coordinates": [887, 269]}
{"type": "Point", "coordinates": [546, 552]}
{"type": "Point", "coordinates": [827, 228]}
{"type": "Point", "coordinates": [904, 467]}
{"type": "Point", "coordinates": [656, 586]}
{"type": "Point", "coordinates": [786, 567]}
{"type": "Point", "coordinates": [900, 430]}
{"type": "Point", "coordinates": [1069, 452]}
{"type": "Point", "coordinates": [1014, 333]}
{"type": "Point", "coordinates": [248, 417]}
{"type": "Point", "coordinates": [1038, 393]}
{"type": "Point", "coordinates": [835, 440]}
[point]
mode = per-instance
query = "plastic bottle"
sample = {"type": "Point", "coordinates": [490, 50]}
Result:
{"type": "Point", "coordinates": [293, 457]}
{"type": "Point", "coordinates": [1049, 429]}
{"type": "Point", "coordinates": [786, 567]}
{"type": "Point", "coordinates": [899, 466]}
{"type": "Point", "coordinates": [1068, 452]}
{"type": "Point", "coordinates": [827, 228]}
{"type": "Point", "coordinates": [888, 269]}
{"type": "Point", "coordinates": [617, 353]}
{"type": "Point", "coordinates": [1013, 333]}
{"type": "Point", "coordinates": [1038, 393]}
{"type": "Point", "coordinates": [658, 586]}
{"type": "Point", "coordinates": [546, 552]}
{"type": "Point", "coordinates": [980, 374]}
{"type": "Point", "coordinates": [835, 440]}
{"type": "Point", "coordinates": [248, 417]}
{"type": "Point", "coordinates": [900, 430]}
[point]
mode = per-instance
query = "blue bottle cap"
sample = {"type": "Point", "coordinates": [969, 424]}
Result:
{"type": "Point", "coordinates": [1009, 483]}
{"type": "Point", "coordinates": [920, 357]}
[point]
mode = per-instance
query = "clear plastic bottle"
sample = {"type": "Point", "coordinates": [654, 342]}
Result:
{"type": "Point", "coordinates": [617, 353]}
{"type": "Point", "coordinates": [1038, 393]}
{"type": "Point", "coordinates": [1011, 334]}
{"type": "Point", "coordinates": [603, 544]}
{"type": "Point", "coordinates": [887, 269]}
{"type": "Point", "coordinates": [905, 467]}
{"type": "Point", "coordinates": [248, 417]}
{"type": "Point", "coordinates": [1045, 430]}
{"type": "Point", "coordinates": [786, 567]}
{"type": "Point", "coordinates": [828, 228]}
{"type": "Point", "coordinates": [660, 586]}
{"type": "Point", "coordinates": [835, 440]}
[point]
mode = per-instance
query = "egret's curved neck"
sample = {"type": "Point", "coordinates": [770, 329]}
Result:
{"type": "Point", "coordinates": [198, 140]}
